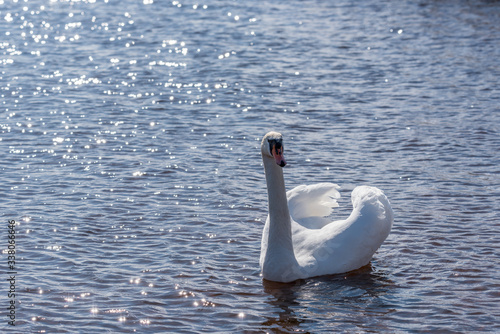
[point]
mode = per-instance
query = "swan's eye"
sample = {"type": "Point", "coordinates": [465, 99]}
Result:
{"type": "Point", "coordinates": [275, 145]}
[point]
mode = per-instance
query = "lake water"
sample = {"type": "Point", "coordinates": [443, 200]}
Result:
{"type": "Point", "coordinates": [130, 147]}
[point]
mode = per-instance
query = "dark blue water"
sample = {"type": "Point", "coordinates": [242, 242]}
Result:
{"type": "Point", "coordinates": [130, 134]}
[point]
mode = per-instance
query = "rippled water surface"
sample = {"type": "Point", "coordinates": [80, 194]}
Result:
{"type": "Point", "coordinates": [130, 134]}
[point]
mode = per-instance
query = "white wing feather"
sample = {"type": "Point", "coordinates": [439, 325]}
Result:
{"type": "Point", "coordinates": [310, 205]}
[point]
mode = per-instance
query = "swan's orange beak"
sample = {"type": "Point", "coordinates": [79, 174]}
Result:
{"type": "Point", "coordinates": [278, 156]}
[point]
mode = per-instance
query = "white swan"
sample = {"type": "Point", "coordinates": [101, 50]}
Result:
{"type": "Point", "coordinates": [299, 242]}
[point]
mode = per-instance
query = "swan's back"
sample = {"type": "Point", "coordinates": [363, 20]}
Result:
{"type": "Point", "coordinates": [345, 245]}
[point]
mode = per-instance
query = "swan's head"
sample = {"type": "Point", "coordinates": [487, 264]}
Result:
{"type": "Point", "coordinates": [272, 147]}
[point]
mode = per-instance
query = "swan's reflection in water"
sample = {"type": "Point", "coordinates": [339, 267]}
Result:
{"type": "Point", "coordinates": [357, 300]}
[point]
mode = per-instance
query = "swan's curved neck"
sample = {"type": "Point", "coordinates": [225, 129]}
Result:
{"type": "Point", "coordinates": [280, 230]}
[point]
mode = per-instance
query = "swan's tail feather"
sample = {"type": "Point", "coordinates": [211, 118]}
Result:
{"type": "Point", "coordinates": [316, 200]}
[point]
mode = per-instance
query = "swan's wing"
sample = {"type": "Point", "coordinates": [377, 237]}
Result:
{"type": "Point", "coordinates": [371, 201]}
{"type": "Point", "coordinates": [349, 244]}
{"type": "Point", "coordinates": [310, 205]}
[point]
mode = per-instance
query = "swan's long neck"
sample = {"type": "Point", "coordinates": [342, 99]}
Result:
{"type": "Point", "coordinates": [280, 230]}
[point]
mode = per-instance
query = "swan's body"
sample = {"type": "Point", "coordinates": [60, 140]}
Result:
{"type": "Point", "coordinates": [299, 242]}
